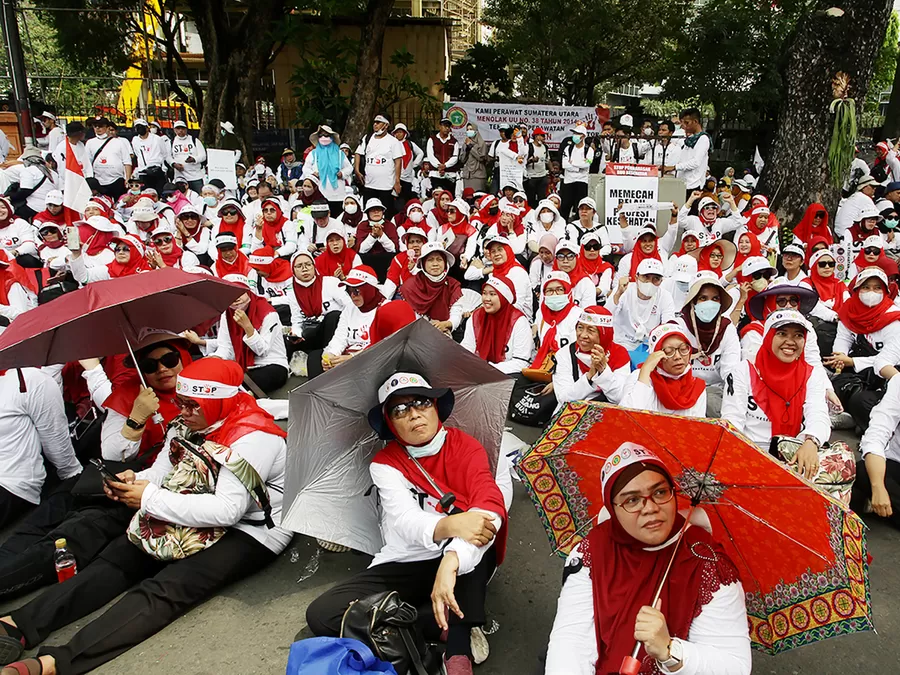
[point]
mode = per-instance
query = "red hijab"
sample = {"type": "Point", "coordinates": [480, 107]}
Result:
{"type": "Point", "coordinates": [136, 263]}
{"type": "Point", "coordinates": [429, 298]}
{"type": "Point", "coordinates": [805, 230]}
{"type": "Point", "coordinates": [676, 393]}
{"type": "Point", "coordinates": [511, 262]}
{"type": "Point", "coordinates": [271, 231]}
{"type": "Point", "coordinates": [493, 331]}
{"type": "Point", "coordinates": [309, 297]}
{"type": "Point", "coordinates": [593, 268]}
{"type": "Point", "coordinates": [327, 263]}
{"type": "Point", "coordinates": [859, 235]}
{"type": "Point", "coordinates": [625, 575]}
{"type": "Point", "coordinates": [861, 262]}
{"type": "Point", "coordinates": [123, 395]}
{"type": "Point", "coordinates": [264, 260]}
{"type": "Point", "coordinates": [258, 309]}
{"type": "Point", "coordinates": [779, 388]}
{"type": "Point", "coordinates": [688, 233]}
{"type": "Point", "coordinates": [755, 250]}
{"type": "Point", "coordinates": [616, 354]}
{"type": "Point", "coordinates": [94, 241]}
{"type": "Point", "coordinates": [239, 414]}
{"type": "Point", "coordinates": [238, 228]}
{"type": "Point", "coordinates": [549, 344]}
{"type": "Point", "coordinates": [638, 256]}
{"type": "Point", "coordinates": [389, 318]}
{"type": "Point", "coordinates": [10, 212]}
{"type": "Point", "coordinates": [703, 261]}
{"type": "Point", "coordinates": [241, 265]}
{"type": "Point", "coordinates": [863, 320]}
{"type": "Point", "coordinates": [439, 213]}
{"type": "Point", "coordinates": [753, 221]}
{"type": "Point", "coordinates": [828, 288]}
{"type": "Point", "coordinates": [12, 273]}
{"type": "Point", "coordinates": [172, 259]}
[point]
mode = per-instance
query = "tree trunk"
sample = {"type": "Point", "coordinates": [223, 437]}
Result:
{"type": "Point", "coordinates": [796, 173]}
{"type": "Point", "coordinates": [236, 47]}
{"type": "Point", "coordinates": [368, 71]}
{"type": "Point", "coordinates": [891, 128]}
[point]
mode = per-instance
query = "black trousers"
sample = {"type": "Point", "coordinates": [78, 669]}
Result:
{"type": "Point", "coordinates": [414, 582]}
{"type": "Point", "coordinates": [570, 194]}
{"type": "Point", "coordinates": [11, 507]}
{"type": "Point", "coordinates": [448, 184]}
{"type": "Point", "coordinates": [536, 190]}
{"type": "Point", "coordinates": [26, 558]}
{"type": "Point", "coordinates": [115, 189]}
{"type": "Point", "coordinates": [315, 344]}
{"type": "Point", "coordinates": [862, 488]}
{"type": "Point", "coordinates": [164, 591]}
{"type": "Point", "coordinates": [406, 193]}
{"type": "Point", "coordinates": [859, 393]}
{"type": "Point", "coordinates": [335, 209]}
{"type": "Point", "coordinates": [196, 185]}
{"type": "Point", "coordinates": [386, 197]}
{"type": "Point", "coordinates": [268, 378]}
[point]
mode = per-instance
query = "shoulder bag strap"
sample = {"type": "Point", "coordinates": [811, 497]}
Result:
{"type": "Point", "coordinates": [99, 150]}
{"type": "Point", "coordinates": [413, 651]}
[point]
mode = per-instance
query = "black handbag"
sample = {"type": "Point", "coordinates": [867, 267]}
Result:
{"type": "Point", "coordinates": [388, 626]}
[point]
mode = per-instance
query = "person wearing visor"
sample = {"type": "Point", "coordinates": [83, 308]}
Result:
{"type": "Point", "coordinates": [610, 578]}
{"type": "Point", "coordinates": [792, 258]}
{"type": "Point", "coordinates": [442, 541]}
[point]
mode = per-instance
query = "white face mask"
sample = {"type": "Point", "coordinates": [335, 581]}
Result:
{"type": "Point", "coordinates": [546, 217]}
{"type": "Point", "coordinates": [647, 289]}
{"type": "Point", "coordinates": [416, 216]}
{"type": "Point", "coordinates": [648, 131]}
{"type": "Point", "coordinates": [351, 208]}
{"type": "Point", "coordinates": [556, 302]}
{"type": "Point", "coordinates": [102, 136]}
{"type": "Point", "coordinates": [871, 298]}
{"type": "Point", "coordinates": [759, 284]}
{"type": "Point", "coordinates": [324, 141]}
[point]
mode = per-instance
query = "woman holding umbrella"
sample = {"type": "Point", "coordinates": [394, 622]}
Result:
{"type": "Point", "coordinates": [779, 393]}
{"type": "Point", "coordinates": [699, 623]}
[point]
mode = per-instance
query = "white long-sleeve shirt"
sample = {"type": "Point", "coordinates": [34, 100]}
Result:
{"type": "Point", "coordinates": [408, 519]}
{"type": "Point", "coordinates": [266, 342]}
{"type": "Point", "coordinates": [519, 349]}
{"type": "Point", "coordinates": [181, 149]}
{"type": "Point", "coordinates": [20, 301]}
{"type": "Point", "coordinates": [640, 396]}
{"type": "Point", "coordinates": [609, 382]}
{"type": "Point", "coordinates": [885, 341]}
{"type": "Point", "coordinates": [31, 423]}
{"type": "Point", "coordinates": [576, 163]}
{"type": "Point", "coordinates": [693, 163]}
{"type": "Point", "coordinates": [230, 505]}
{"type": "Point", "coordinates": [752, 341]}
{"type": "Point", "coordinates": [633, 318]}
{"type": "Point", "coordinates": [882, 438]}
{"type": "Point", "coordinates": [287, 239]}
{"type": "Point", "coordinates": [739, 408]}
{"type": "Point", "coordinates": [718, 642]}
{"type": "Point", "coordinates": [723, 360]}
{"type": "Point", "coordinates": [849, 210]}
{"type": "Point", "coordinates": [150, 151]}
{"type": "Point", "coordinates": [521, 282]}
{"type": "Point", "coordinates": [18, 236]}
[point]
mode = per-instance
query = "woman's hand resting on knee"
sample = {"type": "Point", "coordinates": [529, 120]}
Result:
{"type": "Point", "coordinates": [442, 595]}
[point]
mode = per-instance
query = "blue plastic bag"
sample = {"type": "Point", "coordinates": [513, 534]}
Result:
{"type": "Point", "coordinates": [334, 656]}
{"type": "Point", "coordinates": [638, 355]}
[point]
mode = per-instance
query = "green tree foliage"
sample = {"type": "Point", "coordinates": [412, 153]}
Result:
{"type": "Point", "coordinates": [561, 50]}
{"type": "Point", "coordinates": [328, 64]}
{"type": "Point", "coordinates": [885, 65]}
{"type": "Point", "coordinates": [481, 75]}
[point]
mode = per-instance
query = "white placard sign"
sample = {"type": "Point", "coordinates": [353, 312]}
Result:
{"type": "Point", "coordinates": [635, 185]}
{"type": "Point", "coordinates": [220, 164]}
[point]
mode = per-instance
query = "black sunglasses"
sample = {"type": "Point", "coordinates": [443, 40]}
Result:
{"type": "Point", "coordinates": [826, 263]}
{"type": "Point", "coordinates": [761, 275]}
{"type": "Point", "coordinates": [592, 246]}
{"type": "Point", "coordinates": [162, 240]}
{"type": "Point", "coordinates": [229, 212]}
{"type": "Point", "coordinates": [150, 365]}
{"type": "Point", "coordinates": [122, 249]}
{"type": "Point", "coordinates": [871, 250]}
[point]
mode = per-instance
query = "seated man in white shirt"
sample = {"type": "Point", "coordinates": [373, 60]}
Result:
{"type": "Point", "coordinates": [877, 486]}
{"type": "Point", "coordinates": [440, 549]}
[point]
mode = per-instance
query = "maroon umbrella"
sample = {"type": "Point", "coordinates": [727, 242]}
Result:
{"type": "Point", "coordinates": [106, 317]}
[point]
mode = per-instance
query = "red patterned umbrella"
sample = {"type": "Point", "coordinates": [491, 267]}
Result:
{"type": "Point", "coordinates": [801, 554]}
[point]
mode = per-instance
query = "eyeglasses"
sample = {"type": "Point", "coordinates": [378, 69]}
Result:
{"type": "Point", "coordinates": [566, 256]}
{"type": "Point", "coordinates": [636, 503]}
{"type": "Point", "coordinates": [790, 256]}
{"type": "Point", "coordinates": [871, 250]}
{"type": "Point", "coordinates": [401, 410]}
{"type": "Point", "coordinates": [554, 291]}
{"type": "Point", "coordinates": [826, 263]}
{"type": "Point", "coordinates": [189, 405]}
{"type": "Point", "coordinates": [162, 240]}
{"type": "Point", "coordinates": [270, 210]}
{"type": "Point", "coordinates": [761, 275]}
{"type": "Point", "coordinates": [229, 212]}
{"type": "Point", "coordinates": [150, 365]}
{"type": "Point", "coordinates": [716, 254]}
{"type": "Point", "coordinates": [783, 301]}
{"type": "Point", "coordinates": [354, 291]}
{"type": "Point", "coordinates": [592, 246]}
{"type": "Point", "coordinates": [684, 349]}
{"type": "Point", "coordinates": [122, 249]}
{"type": "Point", "coordinates": [304, 265]}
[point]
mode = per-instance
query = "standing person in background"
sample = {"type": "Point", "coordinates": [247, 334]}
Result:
{"type": "Point", "coordinates": [332, 168]}
{"type": "Point", "coordinates": [693, 160]}
{"type": "Point", "coordinates": [229, 140]}
{"type": "Point", "coordinates": [383, 156]}
{"type": "Point", "coordinates": [110, 160]}
{"type": "Point", "coordinates": [54, 132]}
{"type": "Point", "coordinates": [443, 153]}
{"type": "Point", "coordinates": [663, 152]}
{"type": "Point", "coordinates": [412, 159]}
{"type": "Point", "coordinates": [157, 130]}
{"type": "Point", "coordinates": [537, 168]}
{"type": "Point", "coordinates": [75, 134]}
{"type": "Point", "coordinates": [290, 168]}
{"type": "Point", "coordinates": [187, 156]}
{"type": "Point", "coordinates": [493, 156]}
{"type": "Point", "coordinates": [475, 157]}
{"type": "Point", "coordinates": [576, 162]}
{"type": "Point", "coordinates": [150, 153]}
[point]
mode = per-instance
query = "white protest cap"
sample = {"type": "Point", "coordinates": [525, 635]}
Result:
{"type": "Point", "coordinates": [650, 266]}
{"type": "Point", "coordinates": [435, 247]}
{"type": "Point", "coordinates": [237, 279]}
{"type": "Point", "coordinates": [685, 269]}
{"type": "Point", "coordinates": [784, 317]}
{"type": "Point", "coordinates": [875, 241]}
{"type": "Point", "coordinates": [587, 201]}
{"type": "Point", "coordinates": [54, 197]}
{"type": "Point", "coordinates": [755, 264]}
{"type": "Point", "coordinates": [868, 273]}
{"type": "Point", "coordinates": [179, 124]}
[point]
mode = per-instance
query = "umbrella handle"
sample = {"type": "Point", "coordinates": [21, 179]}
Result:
{"type": "Point", "coordinates": [157, 417]}
{"type": "Point", "coordinates": [630, 665]}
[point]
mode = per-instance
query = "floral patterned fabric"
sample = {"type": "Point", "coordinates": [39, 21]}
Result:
{"type": "Point", "coordinates": [837, 467]}
{"type": "Point", "coordinates": [195, 470]}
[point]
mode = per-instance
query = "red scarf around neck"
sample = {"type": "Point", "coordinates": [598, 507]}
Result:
{"type": "Point", "coordinates": [257, 311]}
{"type": "Point", "coordinates": [780, 388]}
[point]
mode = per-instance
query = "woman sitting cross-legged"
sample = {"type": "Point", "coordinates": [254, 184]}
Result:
{"type": "Point", "coordinates": [438, 561]}
{"type": "Point", "coordinates": [612, 575]}
{"type": "Point", "coordinates": [191, 535]}
{"type": "Point", "coordinates": [497, 331]}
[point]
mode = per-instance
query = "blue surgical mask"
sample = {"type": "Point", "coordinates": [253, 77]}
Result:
{"type": "Point", "coordinates": [431, 448]}
{"type": "Point", "coordinates": [707, 310]}
{"type": "Point", "coordinates": [576, 138]}
{"type": "Point", "coordinates": [683, 286]}
{"type": "Point", "coordinates": [556, 302]}
{"type": "Point", "coordinates": [891, 223]}
{"type": "Point", "coordinates": [209, 201]}
{"type": "Point", "coordinates": [471, 133]}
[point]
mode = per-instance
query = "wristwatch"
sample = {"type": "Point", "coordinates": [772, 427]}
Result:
{"type": "Point", "coordinates": [132, 424]}
{"type": "Point", "coordinates": [675, 655]}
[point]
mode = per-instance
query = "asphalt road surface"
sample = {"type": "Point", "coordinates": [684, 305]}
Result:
{"type": "Point", "coordinates": [249, 627]}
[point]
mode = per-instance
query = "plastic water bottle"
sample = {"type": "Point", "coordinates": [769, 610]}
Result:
{"type": "Point", "coordinates": [66, 567]}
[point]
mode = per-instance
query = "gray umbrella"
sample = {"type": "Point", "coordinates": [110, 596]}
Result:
{"type": "Point", "coordinates": [329, 493]}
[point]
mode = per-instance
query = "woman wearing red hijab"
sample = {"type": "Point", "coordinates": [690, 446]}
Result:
{"type": "Point", "coordinates": [716, 257]}
{"type": "Point", "coordinates": [814, 224]}
{"type": "Point", "coordinates": [763, 224]}
{"type": "Point", "coordinates": [500, 261]}
{"type": "Point", "coordinates": [231, 221]}
{"type": "Point", "coordinates": [271, 228]}
{"type": "Point", "coordinates": [389, 318]}
{"type": "Point", "coordinates": [437, 216]}
{"type": "Point", "coordinates": [130, 259]}
{"type": "Point", "coordinates": [600, 272]}
{"type": "Point", "coordinates": [666, 382]}
{"type": "Point", "coordinates": [457, 233]}
{"type": "Point", "coordinates": [864, 227]}
{"type": "Point", "coordinates": [240, 508]}
{"type": "Point", "coordinates": [274, 280]}
{"type": "Point", "coordinates": [427, 556]}
{"type": "Point", "coordinates": [645, 246]}
{"type": "Point", "coordinates": [871, 253]}
{"type": "Point", "coordinates": [779, 393]}
{"type": "Point", "coordinates": [17, 294]}
{"type": "Point", "coordinates": [96, 234]}
{"type": "Point", "coordinates": [336, 259]}
{"type": "Point", "coordinates": [748, 246]}
{"type": "Point", "coordinates": [250, 333]}
{"type": "Point", "coordinates": [497, 331]}
{"type": "Point", "coordinates": [229, 259]}
{"type": "Point", "coordinates": [316, 303]}
{"type": "Point", "coordinates": [832, 291]}
{"type": "Point", "coordinates": [431, 293]}
{"type": "Point", "coordinates": [612, 576]}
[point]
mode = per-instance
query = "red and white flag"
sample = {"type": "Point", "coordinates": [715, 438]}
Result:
{"type": "Point", "coordinates": [76, 193]}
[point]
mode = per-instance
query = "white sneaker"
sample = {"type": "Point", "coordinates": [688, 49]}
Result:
{"type": "Point", "coordinates": [478, 642]}
{"type": "Point", "coordinates": [298, 364]}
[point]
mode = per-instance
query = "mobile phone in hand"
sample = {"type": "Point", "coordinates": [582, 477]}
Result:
{"type": "Point", "coordinates": [107, 475]}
